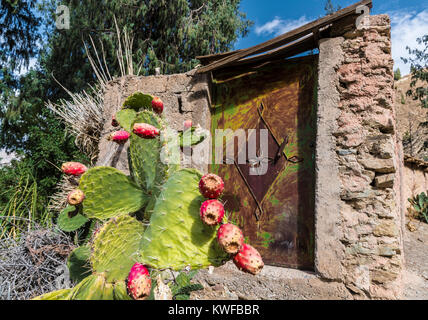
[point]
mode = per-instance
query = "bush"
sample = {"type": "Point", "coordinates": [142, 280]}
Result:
{"type": "Point", "coordinates": [419, 207]}
{"type": "Point", "coordinates": [21, 205]}
{"type": "Point", "coordinates": [34, 264]}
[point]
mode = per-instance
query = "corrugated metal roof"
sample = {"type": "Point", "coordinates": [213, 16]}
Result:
{"type": "Point", "coordinates": [288, 44]}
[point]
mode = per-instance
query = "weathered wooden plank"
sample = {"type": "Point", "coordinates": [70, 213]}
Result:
{"type": "Point", "coordinates": [213, 57]}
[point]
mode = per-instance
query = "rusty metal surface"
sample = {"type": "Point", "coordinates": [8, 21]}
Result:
{"type": "Point", "coordinates": [280, 97]}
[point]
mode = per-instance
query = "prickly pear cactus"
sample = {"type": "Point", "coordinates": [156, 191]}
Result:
{"type": "Point", "coordinates": [147, 165]}
{"type": "Point", "coordinates": [70, 219]}
{"type": "Point", "coordinates": [138, 101]}
{"type": "Point", "coordinates": [169, 233]}
{"type": "Point", "coordinates": [176, 237]}
{"type": "Point", "coordinates": [115, 247]}
{"type": "Point", "coordinates": [126, 118]}
{"type": "Point", "coordinates": [64, 294]}
{"type": "Point", "coordinates": [92, 288]}
{"type": "Point", "coordinates": [95, 287]}
{"type": "Point", "coordinates": [78, 263]}
{"type": "Point", "coordinates": [110, 193]}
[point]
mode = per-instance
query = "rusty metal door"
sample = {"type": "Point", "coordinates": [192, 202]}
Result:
{"type": "Point", "coordinates": [275, 210]}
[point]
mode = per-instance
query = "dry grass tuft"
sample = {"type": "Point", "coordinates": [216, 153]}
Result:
{"type": "Point", "coordinates": [58, 201]}
{"type": "Point", "coordinates": [83, 116]}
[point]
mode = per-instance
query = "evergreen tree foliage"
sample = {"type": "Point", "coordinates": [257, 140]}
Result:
{"type": "Point", "coordinates": [397, 74]}
{"type": "Point", "coordinates": [329, 7]}
{"type": "Point", "coordinates": [419, 70]}
{"type": "Point", "coordinates": [18, 33]}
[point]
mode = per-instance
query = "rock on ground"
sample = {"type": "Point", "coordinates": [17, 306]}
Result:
{"type": "Point", "coordinates": [416, 255]}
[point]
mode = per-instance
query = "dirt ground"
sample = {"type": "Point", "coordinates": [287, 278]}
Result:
{"type": "Point", "coordinates": [416, 255]}
{"type": "Point", "coordinates": [227, 283]}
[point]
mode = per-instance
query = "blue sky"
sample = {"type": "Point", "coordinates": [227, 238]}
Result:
{"type": "Point", "coordinates": [409, 20]}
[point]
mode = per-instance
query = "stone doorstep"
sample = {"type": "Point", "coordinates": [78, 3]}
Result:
{"type": "Point", "coordinates": [273, 272]}
{"type": "Point", "coordinates": [273, 283]}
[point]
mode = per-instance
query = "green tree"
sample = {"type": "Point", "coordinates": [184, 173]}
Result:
{"type": "Point", "coordinates": [397, 74]}
{"type": "Point", "coordinates": [329, 7]}
{"type": "Point", "coordinates": [19, 40]}
{"type": "Point", "coordinates": [167, 34]}
{"type": "Point", "coordinates": [419, 70]}
{"type": "Point", "coordinates": [18, 33]}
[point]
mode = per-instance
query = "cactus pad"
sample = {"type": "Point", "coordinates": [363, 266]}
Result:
{"type": "Point", "coordinates": [63, 294]}
{"type": "Point", "coordinates": [115, 247]}
{"type": "Point", "coordinates": [78, 263]}
{"type": "Point", "coordinates": [110, 193]}
{"type": "Point", "coordinates": [176, 236]}
{"type": "Point", "coordinates": [126, 118]}
{"type": "Point", "coordinates": [170, 152]}
{"type": "Point", "coordinates": [93, 287]}
{"type": "Point", "coordinates": [90, 288]}
{"type": "Point", "coordinates": [138, 101]}
{"type": "Point", "coordinates": [145, 154]}
{"type": "Point", "coordinates": [69, 223]}
{"type": "Point", "coordinates": [192, 137]}
{"type": "Point", "coordinates": [120, 291]}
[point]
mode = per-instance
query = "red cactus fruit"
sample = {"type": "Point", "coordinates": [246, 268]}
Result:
{"type": "Point", "coordinates": [230, 238]}
{"type": "Point", "coordinates": [187, 124]}
{"type": "Point", "coordinates": [73, 168]}
{"type": "Point", "coordinates": [157, 105]}
{"type": "Point", "coordinates": [120, 136]}
{"type": "Point", "coordinates": [145, 130]}
{"type": "Point", "coordinates": [212, 212]}
{"type": "Point", "coordinates": [75, 197]}
{"type": "Point", "coordinates": [114, 122]}
{"type": "Point", "coordinates": [248, 259]}
{"type": "Point", "coordinates": [211, 186]}
{"type": "Point", "coordinates": [139, 282]}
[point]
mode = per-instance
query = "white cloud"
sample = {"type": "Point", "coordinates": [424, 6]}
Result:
{"type": "Point", "coordinates": [278, 26]}
{"type": "Point", "coordinates": [406, 28]}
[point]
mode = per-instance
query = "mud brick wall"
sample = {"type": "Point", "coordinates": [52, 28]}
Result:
{"type": "Point", "coordinates": [356, 106]}
{"type": "Point", "coordinates": [185, 96]}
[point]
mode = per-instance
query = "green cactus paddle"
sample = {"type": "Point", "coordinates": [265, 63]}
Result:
{"type": "Point", "coordinates": [110, 193]}
{"type": "Point", "coordinates": [176, 237]}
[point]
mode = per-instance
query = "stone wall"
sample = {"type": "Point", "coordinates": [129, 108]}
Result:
{"type": "Point", "coordinates": [368, 225]}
